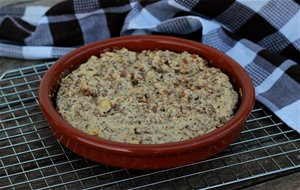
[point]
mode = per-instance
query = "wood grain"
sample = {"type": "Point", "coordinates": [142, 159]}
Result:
{"type": "Point", "coordinates": [7, 64]}
{"type": "Point", "coordinates": [289, 182]}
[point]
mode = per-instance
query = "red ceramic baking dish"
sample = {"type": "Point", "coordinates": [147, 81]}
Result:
{"type": "Point", "coordinates": [146, 156]}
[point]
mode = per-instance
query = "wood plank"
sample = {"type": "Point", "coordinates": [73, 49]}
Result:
{"type": "Point", "coordinates": [7, 64]}
{"type": "Point", "coordinates": [289, 182]}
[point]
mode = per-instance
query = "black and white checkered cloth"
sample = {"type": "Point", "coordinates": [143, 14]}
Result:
{"type": "Point", "coordinates": [261, 35]}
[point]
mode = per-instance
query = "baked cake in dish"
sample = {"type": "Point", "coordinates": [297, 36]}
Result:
{"type": "Point", "coordinates": [148, 97]}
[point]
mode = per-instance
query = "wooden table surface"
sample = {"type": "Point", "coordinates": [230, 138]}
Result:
{"type": "Point", "coordinates": [285, 181]}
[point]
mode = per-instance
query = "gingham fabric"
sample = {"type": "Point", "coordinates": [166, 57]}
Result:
{"type": "Point", "coordinates": [261, 35]}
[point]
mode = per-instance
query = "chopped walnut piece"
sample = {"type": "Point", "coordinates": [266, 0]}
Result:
{"type": "Point", "coordinates": [105, 105]}
{"type": "Point", "coordinates": [94, 132]}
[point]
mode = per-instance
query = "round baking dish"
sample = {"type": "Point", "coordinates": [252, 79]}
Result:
{"type": "Point", "coordinates": [137, 156]}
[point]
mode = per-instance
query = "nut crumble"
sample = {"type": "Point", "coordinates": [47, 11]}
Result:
{"type": "Point", "coordinates": [148, 97]}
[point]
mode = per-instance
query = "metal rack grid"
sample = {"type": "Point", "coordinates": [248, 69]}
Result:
{"type": "Point", "coordinates": [31, 158]}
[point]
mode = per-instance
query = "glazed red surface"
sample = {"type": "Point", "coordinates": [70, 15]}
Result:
{"type": "Point", "coordinates": [145, 156]}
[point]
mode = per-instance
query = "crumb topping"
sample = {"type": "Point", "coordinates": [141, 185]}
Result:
{"type": "Point", "coordinates": [148, 97]}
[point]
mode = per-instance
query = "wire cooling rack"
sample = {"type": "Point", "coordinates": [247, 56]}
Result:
{"type": "Point", "coordinates": [31, 158]}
